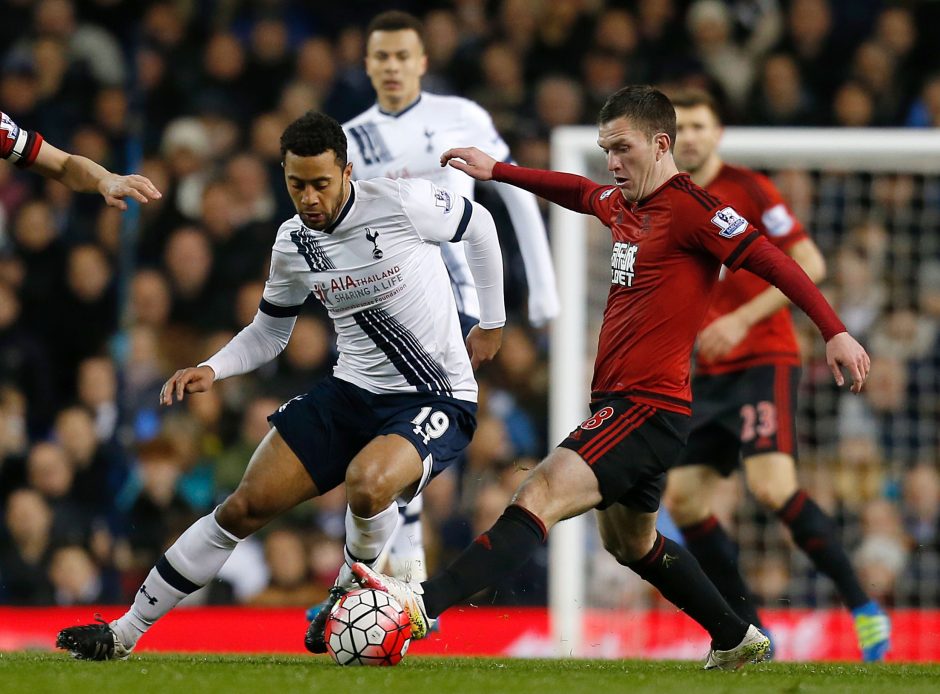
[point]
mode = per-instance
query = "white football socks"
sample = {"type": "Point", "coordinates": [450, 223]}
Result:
{"type": "Point", "coordinates": [193, 560]}
{"type": "Point", "coordinates": [366, 538]}
{"type": "Point", "coordinates": [406, 559]}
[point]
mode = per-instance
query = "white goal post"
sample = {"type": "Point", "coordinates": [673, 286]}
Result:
{"type": "Point", "coordinates": [572, 150]}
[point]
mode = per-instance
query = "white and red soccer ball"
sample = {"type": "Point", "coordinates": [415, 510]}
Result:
{"type": "Point", "coordinates": [367, 627]}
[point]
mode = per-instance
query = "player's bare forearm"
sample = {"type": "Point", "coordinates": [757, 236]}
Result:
{"type": "Point", "coordinates": [197, 379]}
{"type": "Point", "coordinates": [83, 175]}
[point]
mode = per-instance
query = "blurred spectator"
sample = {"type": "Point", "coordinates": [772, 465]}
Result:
{"type": "Point", "coordinates": [158, 513]}
{"type": "Point", "coordinates": [559, 101]}
{"type": "Point", "coordinates": [98, 392]}
{"type": "Point", "coordinates": [76, 578]}
{"type": "Point", "coordinates": [24, 363]}
{"type": "Point", "coordinates": [50, 473]}
{"type": "Point", "coordinates": [710, 28]}
{"type": "Point", "coordinates": [853, 106]}
{"type": "Point", "coordinates": [306, 359]}
{"type": "Point", "coordinates": [26, 550]}
{"type": "Point", "coordinates": [290, 584]}
{"type": "Point", "coordinates": [197, 305]}
{"type": "Point", "coordinates": [98, 467]}
{"type": "Point", "coordinates": [231, 463]}
{"type": "Point", "coordinates": [781, 98]}
{"type": "Point", "coordinates": [922, 505]}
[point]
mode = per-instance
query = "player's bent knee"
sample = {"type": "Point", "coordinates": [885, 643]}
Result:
{"type": "Point", "coordinates": [239, 515]}
{"type": "Point", "coordinates": [370, 489]}
{"type": "Point", "coordinates": [627, 549]}
{"type": "Point", "coordinates": [769, 495]}
{"type": "Point", "coordinates": [685, 507]}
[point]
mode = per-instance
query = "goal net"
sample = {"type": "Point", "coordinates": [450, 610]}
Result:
{"type": "Point", "coordinates": [871, 201]}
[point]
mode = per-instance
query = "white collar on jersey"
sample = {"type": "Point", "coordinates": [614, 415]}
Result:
{"type": "Point", "coordinates": [399, 114]}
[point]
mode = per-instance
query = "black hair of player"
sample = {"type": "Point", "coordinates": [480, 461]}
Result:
{"type": "Point", "coordinates": [647, 108]}
{"type": "Point", "coordinates": [692, 98]}
{"type": "Point", "coordinates": [396, 20]}
{"type": "Point", "coordinates": [312, 134]}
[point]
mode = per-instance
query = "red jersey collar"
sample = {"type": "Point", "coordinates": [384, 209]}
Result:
{"type": "Point", "coordinates": [680, 174]}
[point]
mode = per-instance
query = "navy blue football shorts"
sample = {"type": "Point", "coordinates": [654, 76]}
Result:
{"type": "Point", "coordinates": [741, 414]}
{"type": "Point", "coordinates": [328, 426]}
{"type": "Point", "coordinates": [630, 446]}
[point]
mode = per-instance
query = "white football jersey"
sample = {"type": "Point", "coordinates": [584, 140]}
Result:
{"type": "Point", "coordinates": [379, 273]}
{"type": "Point", "coordinates": [409, 144]}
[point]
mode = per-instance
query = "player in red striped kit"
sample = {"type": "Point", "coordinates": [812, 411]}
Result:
{"type": "Point", "coordinates": [669, 239]}
{"type": "Point", "coordinates": [746, 375]}
{"type": "Point", "coordinates": [28, 149]}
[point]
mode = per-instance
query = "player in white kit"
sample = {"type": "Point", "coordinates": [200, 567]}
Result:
{"type": "Point", "coordinates": [402, 136]}
{"type": "Point", "coordinates": [401, 403]}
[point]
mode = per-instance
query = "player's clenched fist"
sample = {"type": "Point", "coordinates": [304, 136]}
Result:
{"type": "Point", "coordinates": [196, 379]}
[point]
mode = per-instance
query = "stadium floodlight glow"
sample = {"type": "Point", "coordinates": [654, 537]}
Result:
{"type": "Point", "coordinates": [582, 293]}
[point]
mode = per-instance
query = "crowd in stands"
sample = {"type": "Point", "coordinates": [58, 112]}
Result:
{"type": "Point", "coordinates": [97, 308]}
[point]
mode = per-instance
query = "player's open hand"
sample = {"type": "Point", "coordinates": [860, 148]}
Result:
{"type": "Point", "coordinates": [483, 344]}
{"type": "Point", "coordinates": [196, 379]}
{"type": "Point", "coordinates": [471, 161]}
{"type": "Point", "coordinates": [843, 350]}
{"type": "Point", "coordinates": [721, 336]}
{"type": "Point", "coordinates": [114, 189]}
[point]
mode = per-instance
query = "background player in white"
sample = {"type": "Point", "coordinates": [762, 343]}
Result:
{"type": "Point", "coordinates": [28, 149]}
{"type": "Point", "coordinates": [401, 403]}
{"type": "Point", "coordinates": [402, 136]}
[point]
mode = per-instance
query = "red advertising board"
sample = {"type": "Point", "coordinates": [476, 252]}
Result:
{"type": "Point", "coordinates": [799, 635]}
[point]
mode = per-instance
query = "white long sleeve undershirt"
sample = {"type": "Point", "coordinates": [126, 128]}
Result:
{"type": "Point", "coordinates": [486, 266]}
{"type": "Point", "coordinates": [258, 343]}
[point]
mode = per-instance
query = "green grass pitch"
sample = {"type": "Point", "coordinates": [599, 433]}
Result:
{"type": "Point", "coordinates": [38, 673]}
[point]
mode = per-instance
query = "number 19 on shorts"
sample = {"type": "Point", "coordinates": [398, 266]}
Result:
{"type": "Point", "coordinates": [430, 425]}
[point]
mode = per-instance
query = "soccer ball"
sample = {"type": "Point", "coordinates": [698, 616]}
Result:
{"type": "Point", "coordinates": [367, 627]}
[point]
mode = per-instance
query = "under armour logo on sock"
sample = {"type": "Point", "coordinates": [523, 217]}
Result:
{"type": "Point", "coordinates": [668, 559]}
{"type": "Point", "coordinates": [143, 591]}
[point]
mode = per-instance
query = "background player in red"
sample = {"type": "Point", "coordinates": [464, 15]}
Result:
{"type": "Point", "coordinates": [744, 390]}
{"type": "Point", "coordinates": [28, 149]}
{"type": "Point", "coordinates": [669, 239]}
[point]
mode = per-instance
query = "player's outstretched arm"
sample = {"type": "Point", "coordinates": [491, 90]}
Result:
{"type": "Point", "coordinates": [85, 176]}
{"type": "Point", "coordinates": [844, 351]}
{"type": "Point", "coordinates": [726, 332]}
{"type": "Point", "coordinates": [195, 379]}
{"type": "Point", "coordinates": [471, 161]}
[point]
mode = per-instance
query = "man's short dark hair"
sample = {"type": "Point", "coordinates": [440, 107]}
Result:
{"type": "Point", "coordinates": [692, 98]}
{"type": "Point", "coordinates": [312, 134]}
{"type": "Point", "coordinates": [647, 108]}
{"type": "Point", "coordinates": [396, 20]}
